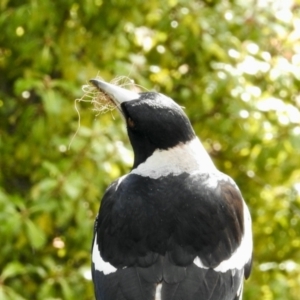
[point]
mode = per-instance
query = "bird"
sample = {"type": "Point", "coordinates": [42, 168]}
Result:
{"type": "Point", "coordinates": [174, 227]}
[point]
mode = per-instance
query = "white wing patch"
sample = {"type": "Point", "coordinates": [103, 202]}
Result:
{"type": "Point", "coordinates": [242, 254]}
{"type": "Point", "coordinates": [199, 263]}
{"type": "Point", "coordinates": [189, 157]}
{"type": "Point", "coordinates": [99, 263]}
{"type": "Point", "coordinates": [158, 292]}
{"type": "Point", "coordinates": [120, 180]}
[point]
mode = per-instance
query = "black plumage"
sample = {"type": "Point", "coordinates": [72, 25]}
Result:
{"type": "Point", "coordinates": [174, 227]}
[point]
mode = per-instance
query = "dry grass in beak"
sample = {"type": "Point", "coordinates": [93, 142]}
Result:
{"type": "Point", "coordinates": [101, 102]}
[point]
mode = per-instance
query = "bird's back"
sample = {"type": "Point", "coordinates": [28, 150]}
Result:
{"type": "Point", "coordinates": [170, 238]}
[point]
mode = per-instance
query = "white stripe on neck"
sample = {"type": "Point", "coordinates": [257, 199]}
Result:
{"type": "Point", "coordinates": [188, 157]}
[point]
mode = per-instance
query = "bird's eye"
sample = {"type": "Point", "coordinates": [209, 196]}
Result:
{"type": "Point", "coordinates": [130, 122]}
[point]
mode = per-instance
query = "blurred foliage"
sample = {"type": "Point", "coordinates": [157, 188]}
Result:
{"type": "Point", "coordinates": [233, 64]}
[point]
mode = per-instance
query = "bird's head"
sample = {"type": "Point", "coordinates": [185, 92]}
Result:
{"type": "Point", "coordinates": [154, 121]}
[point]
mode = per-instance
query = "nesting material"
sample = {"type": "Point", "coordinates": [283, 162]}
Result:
{"type": "Point", "coordinates": [101, 102]}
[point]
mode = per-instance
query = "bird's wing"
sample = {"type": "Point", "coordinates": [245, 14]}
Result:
{"type": "Point", "coordinates": [176, 237]}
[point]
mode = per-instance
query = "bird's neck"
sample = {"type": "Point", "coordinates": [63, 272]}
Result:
{"type": "Point", "coordinates": [188, 157]}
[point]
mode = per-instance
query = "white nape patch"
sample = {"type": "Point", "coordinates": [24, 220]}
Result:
{"type": "Point", "coordinates": [158, 292]}
{"type": "Point", "coordinates": [243, 253]}
{"type": "Point", "coordinates": [99, 263]}
{"type": "Point", "coordinates": [188, 157]}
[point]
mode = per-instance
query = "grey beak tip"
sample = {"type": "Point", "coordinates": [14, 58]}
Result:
{"type": "Point", "coordinates": [94, 82]}
{"type": "Point", "coordinates": [117, 94]}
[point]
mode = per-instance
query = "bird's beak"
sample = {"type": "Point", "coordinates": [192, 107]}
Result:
{"type": "Point", "coordinates": [116, 93]}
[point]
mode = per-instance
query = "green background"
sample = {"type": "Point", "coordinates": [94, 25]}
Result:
{"type": "Point", "coordinates": [234, 66]}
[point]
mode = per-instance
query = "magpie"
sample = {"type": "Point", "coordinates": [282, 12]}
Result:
{"type": "Point", "coordinates": [174, 227]}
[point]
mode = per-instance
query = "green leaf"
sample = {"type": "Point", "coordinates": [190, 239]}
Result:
{"type": "Point", "coordinates": [12, 269]}
{"type": "Point", "coordinates": [35, 235]}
